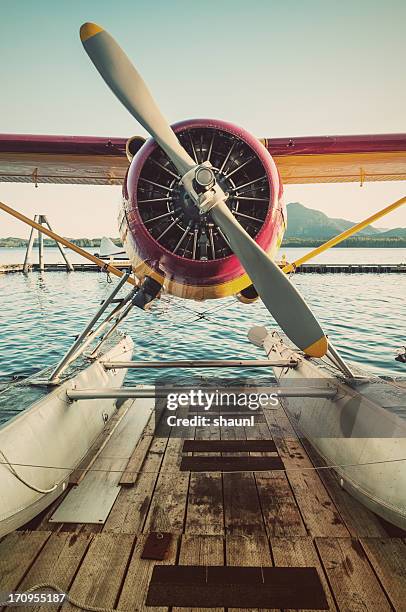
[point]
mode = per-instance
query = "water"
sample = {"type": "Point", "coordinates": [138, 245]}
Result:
{"type": "Point", "coordinates": [349, 255]}
{"type": "Point", "coordinates": [364, 314]}
{"type": "Point", "coordinates": [335, 255]}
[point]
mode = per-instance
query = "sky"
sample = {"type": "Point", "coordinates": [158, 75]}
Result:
{"type": "Point", "coordinates": [276, 67]}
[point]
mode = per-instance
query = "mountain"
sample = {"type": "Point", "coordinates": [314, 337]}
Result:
{"type": "Point", "coordinates": [397, 232]}
{"type": "Point", "coordinates": [308, 223]}
{"type": "Point", "coordinates": [306, 227]}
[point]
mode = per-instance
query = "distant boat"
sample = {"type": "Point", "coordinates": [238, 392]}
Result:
{"type": "Point", "coordinates": [110, 251]}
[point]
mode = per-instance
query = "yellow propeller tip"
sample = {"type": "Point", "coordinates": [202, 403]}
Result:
{"type": "Point", "coordinates": [318, 348]}
{"type": "Point", "coordinates": [88, 30]}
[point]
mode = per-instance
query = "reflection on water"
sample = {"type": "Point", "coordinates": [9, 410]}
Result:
{"type": "Point", "coordinates": [40, 314]}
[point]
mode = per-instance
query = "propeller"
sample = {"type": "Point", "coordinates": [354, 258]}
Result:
{"type": "Point", "coordinates": [278, 294]}
{"type": "Point", "coordinates": [129, 87]}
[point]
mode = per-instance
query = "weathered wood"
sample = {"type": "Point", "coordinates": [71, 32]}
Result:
{"type": "Point", "coordinates": [279, 508]}
{"type": "Point", "coordinates": [167, 510]}
{"type": "Point", "coordinates": [201, 550]}
{"type": "Point", "coordinates": [320, 515]}
{"type": "Point", "coordinates": [135, 462]}
{"type": "Point", "coordinates": [242, 511]}
{"type": "Point", "coordinates": [18, 552]}
{"type": "Point", "coordinates": [204, 513]}
{"type": "Point", "coordinates": [133, 467]}
{"type": "Point", "coordinates": [248, 551]}
{"type": "Point", "coordinates": [300, 552]}
{"type": "Point", "coordinates": [101, 573]}
{"type": "Point", "coordinates": [388, 558]}
{"type": "Point", "coordinates": [354, 584]}
{"type": "Point", "coordinates": [138, 576]}
{"type": "Point", "coordinates": [132, 504]}
{"type": "Point", "coordinates": [255, 504]}
{"type": "Point", "coordinates": [57, 563]}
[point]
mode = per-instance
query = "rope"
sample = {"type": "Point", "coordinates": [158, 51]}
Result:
{"type": "Point", "coordinates": [106, 270]}
{"type": "Point", "coordinates": [286, 470]}
{"type": "Point", "coordinates": [68, 598]}
{"type": "Point", "coordinates": [21, 479]}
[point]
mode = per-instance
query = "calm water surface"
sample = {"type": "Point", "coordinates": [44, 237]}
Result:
{"type": "Point", "coordinates": [335, 255]}
{"type": "Point", "coordinates": [40, 314]}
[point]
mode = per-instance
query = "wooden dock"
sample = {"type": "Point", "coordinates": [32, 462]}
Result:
{"type": "Point", "coordinates": [314, 268]}
{"type": "Point", "coordinates": [258, 525]}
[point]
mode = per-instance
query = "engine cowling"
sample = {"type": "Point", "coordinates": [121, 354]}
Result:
{"type": "Point", "coordinates": [164, 233]}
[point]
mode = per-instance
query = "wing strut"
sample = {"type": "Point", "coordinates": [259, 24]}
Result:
{"type": "Point", "coordinates": [102, 264]}
{"type": "Point", "coordinates": [343, 236]}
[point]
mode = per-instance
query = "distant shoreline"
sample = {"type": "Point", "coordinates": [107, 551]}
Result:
{"type": "Point", "coordinates": [360, 242]}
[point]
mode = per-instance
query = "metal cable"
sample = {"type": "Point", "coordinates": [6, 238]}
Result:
{"type": "Point", "coordinates": [286, 470]}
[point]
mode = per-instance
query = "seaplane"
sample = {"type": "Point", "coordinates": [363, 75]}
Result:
{"type": "Point", "coordinates": [202, 218]}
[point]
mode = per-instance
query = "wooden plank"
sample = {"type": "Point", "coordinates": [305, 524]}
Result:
{"type": "Point", "coordinates": [138, 576]}
{"type": "Point", "coordinates": [388, 558]}
{"type": "Point", "coordinates": [242, 510]}
{"type": "Point", "coordinates": [246, 551]}
{"type": "Point", "coordinates": [167, 509]}
{"type": "Point", "coordinates": [57, 563]}
{"type": "Point", "coordinates": [300, 552]}
{"type": "Point", "coordinates": [101, 573]}
{"type": "Point", "coordinates": [132, 504]}
{"type": "Point", "coordinates": [201, 550]}
{"type": "Point", "coordinates": [135, 462]}
{"type": "Point", "coordinates": [133, 467]}
{"type": "Point", "coordinates": [359, 521]}
{"type": "Point", "coordinates": [229, 463]}
{"type": "Point", "coordinates": [320, 515]}
{"type": "Point", "coordinates": [205, 513]}
{"type": "Point", "coordinates": [353, 582]}
{"type": "Point", "coordinates": [279, 508]}
{"type": "Point", "coordinates": [18, 552]}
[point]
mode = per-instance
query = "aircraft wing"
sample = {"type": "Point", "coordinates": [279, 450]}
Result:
{"type": "Point", "coordinates": [340, 159]}
{"type": "Point", "coordinates": [102, 161]}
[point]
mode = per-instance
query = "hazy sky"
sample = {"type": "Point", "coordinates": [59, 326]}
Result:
{"type": "Point", "coordinates": [278, 68]}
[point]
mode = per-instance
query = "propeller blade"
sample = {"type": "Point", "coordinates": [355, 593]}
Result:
{"type": "Point", "coordinates": [280, 297]}
{"type": "Point", "coordinates": [125, 82]}
{"type": "Point", "coordinates": [276, 291]}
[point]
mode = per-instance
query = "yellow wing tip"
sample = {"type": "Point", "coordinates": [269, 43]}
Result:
{"type": "Point", "coordinates": [88, 30]}
{"type": "Point", "coordinates": [318, 348]}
